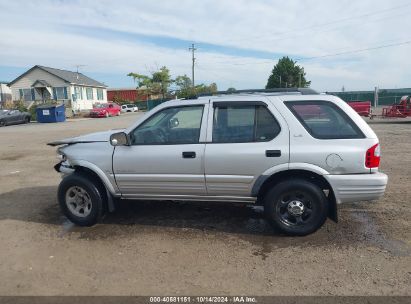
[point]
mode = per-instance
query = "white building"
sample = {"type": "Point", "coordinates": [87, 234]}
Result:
{"type": "Point", "coordinates": [5, 94]}
{"type": "Point", "coordinates": [42, 84]}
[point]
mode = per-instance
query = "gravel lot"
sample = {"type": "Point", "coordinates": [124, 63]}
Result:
{"type": "Point", "coordinates": [153, 248]}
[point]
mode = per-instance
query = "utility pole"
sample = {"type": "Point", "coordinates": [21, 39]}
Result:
{"type": "Point", "coordinates": [192, 49]}
{"type": "Point", "coordinates": [299, 80]}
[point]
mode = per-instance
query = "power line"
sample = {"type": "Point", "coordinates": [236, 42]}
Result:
{"type": "Point", "coordinates": [328, 55]}
{"type": "Point", "coordinates": [323, 24]}
{"type": "Point", "coordinates": [358, 50]}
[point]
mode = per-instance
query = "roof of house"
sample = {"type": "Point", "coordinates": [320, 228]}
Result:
{"type": "Point", "coordinates": [68, 76]}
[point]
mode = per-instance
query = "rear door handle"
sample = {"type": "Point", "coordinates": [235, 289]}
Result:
{"type": "Point", "coordinates": [273, 153]}
{"type": "Point", "coordinates": [189, 154]}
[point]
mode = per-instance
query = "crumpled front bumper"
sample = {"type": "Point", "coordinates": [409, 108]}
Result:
{"type": "Point", "coordinates": [64, 168]}
{"type": "Point", "coordinates": [358, 187]}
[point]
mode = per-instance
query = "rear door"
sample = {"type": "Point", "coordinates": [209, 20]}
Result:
{"type": "Point", "coordinates": [244, 139]}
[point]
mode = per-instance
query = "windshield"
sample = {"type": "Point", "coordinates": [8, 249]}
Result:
{"type": "Point", "coordinates": [2, 112]}
{"type": "Point", "coordinates": [101, 105]}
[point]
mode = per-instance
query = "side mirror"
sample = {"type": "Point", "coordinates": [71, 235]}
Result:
{"type": "Point", "coordinates": [119, 139]}
{"type": "Point", "coordinates": [174, 122]}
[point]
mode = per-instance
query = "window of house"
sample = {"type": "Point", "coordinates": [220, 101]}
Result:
{"type": "Point", "coordinates": [171, 126]}
{"type": "Point", "coordinates": [89, 93]}
{"type": "Point", "coordinates": [79, 92]}
{"type": "Point", "coordinates": [60, 93]}
{"type": "Point", "coordinates": [27, 94]}
{"type": "Point", "coordinates": [324, 120]}
{"type": "Point", "coordinates": [243, 123]}
{"type": "Point", "coordinates": [100, 94]}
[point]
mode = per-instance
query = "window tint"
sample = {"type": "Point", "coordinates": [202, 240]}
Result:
{"type": "Point", "coordinates": [236, 124]}
{"type": "Point", "coordinates": [179, 125]}
{"type": "Point", "coordinates": [324, 120]}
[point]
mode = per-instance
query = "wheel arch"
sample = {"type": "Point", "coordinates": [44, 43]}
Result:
{"type": "Point", "coordinates": [104, 184]}
{"type": "Point", "coordinates": [266, 182]}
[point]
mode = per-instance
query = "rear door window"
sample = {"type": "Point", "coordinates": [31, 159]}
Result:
{"type": "Point", "coordinates": [243, 123]}
{"type": "Point", "coordinates": [324, 120]}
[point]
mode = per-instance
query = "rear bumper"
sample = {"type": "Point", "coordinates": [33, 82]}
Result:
{"type": "Point", "coordinates": [357, 187]}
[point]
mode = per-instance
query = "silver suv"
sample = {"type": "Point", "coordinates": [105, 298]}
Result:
{"type": "Point", "coordinates": [297, 153]}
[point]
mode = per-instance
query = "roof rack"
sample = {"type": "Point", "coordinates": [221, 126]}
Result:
{"type": "Point", "coordinates": [302, 91]}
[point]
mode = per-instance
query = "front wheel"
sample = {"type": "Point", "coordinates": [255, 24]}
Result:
{"type": "Point", "coordinates": [296, 207]}
{"type": "Point", "coordinates": [81, 200]}
{"type": "Point", "coordinates": [27, 120]}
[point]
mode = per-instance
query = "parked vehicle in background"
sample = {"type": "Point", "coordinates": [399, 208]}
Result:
{"type": "Point", "coordinates": [297, 154]}
{"type": "Point", "coordinates": [105, 110]}
{"type": "Point", "coordinates": [363, 108]}
{"type": "Point", "coordinates": [129, 108]}
{"type": "Point", "coordinates": [13, 117]}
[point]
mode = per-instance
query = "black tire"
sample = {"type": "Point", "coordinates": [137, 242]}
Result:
{"type": "Point", "coordinates": [27, 120]}
{"type": "Point", "coordinates": [95, 195]}
{"type": "Point", "coordinates": [2, 123]}
{"type": "Point", "coordinates": [296, 207]}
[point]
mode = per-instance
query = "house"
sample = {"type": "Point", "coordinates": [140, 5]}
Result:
{"type": "Point", "coordinates": [5, 94]}
{"type": "Point", "coordinates": [126, 94]}
{"type": "Point", "coordinates": [41, 84]}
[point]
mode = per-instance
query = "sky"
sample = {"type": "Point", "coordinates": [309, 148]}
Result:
{"type": "Point", "coordinates": [352, 44]}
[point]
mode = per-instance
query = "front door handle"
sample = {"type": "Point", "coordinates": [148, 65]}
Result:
{"type": "Point", "coordinates": [273, 153]}
{"type": "Point", "coordinates": [189, 154]}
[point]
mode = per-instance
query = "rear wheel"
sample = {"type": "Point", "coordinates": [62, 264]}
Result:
{"type": "Point", "coordinates": [27, 120]}
{"type": "Point", "coordinates": [2, 123]}
{"type": "Point", "coordinates": [296, 207]}
{"type": "Point", "coordinates": [81, 200]}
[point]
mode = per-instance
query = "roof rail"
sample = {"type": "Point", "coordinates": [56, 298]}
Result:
{"type": "Point", "coordinates": [302, 91]}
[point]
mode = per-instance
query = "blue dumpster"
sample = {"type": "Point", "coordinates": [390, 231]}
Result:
{"type": "Point", "coordinates": [51, 113]}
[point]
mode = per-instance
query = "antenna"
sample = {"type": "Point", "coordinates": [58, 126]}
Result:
{"type": "Point", "coordinates": [77, 68]}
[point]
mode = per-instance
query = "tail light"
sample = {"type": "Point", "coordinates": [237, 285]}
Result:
{"type": "Point", "coordinates": [373, 157]}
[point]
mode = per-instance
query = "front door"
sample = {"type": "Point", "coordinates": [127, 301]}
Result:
{"type": "Point", "coordinates": [166, 156]}
{"type": "Point", "coordinates": [245, 138]}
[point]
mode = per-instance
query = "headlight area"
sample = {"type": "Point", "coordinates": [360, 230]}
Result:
{"type": "Point", "coordinates": [61, 157]}
{"type": "Point", "coordinates": [63, 166]}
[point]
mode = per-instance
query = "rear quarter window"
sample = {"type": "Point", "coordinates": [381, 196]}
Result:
{"type": "Point", "coordinates": [324, 120]}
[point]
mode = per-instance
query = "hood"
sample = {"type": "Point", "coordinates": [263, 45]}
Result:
{"type": "Point", "coordinates": [88, 138]}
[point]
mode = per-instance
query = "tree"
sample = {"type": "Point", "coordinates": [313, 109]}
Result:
{"type": "Point", "coordinates": [285, 74]}
{"type": "Point", "coordinates": [231, 90]}
{"type": "Point", "coordinates": [185, 89]}
{"type": "Point", "coordinates": [157, 83]}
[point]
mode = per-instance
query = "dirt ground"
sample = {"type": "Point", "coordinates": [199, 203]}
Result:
{"type": "Point", "coordinates": [153, 248]}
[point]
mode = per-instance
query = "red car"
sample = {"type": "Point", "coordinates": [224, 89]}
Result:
{"type": "Point", "coordinates": [105, 110]}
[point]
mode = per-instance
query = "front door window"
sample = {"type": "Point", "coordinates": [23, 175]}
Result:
{"type": "Point", "coordinates": [171, 126]}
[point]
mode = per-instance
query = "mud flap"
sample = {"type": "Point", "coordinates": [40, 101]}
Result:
{"type": "Point", "coordinates": [110, 201]}
{"type": "Point", "coordinates": [332, 210]}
